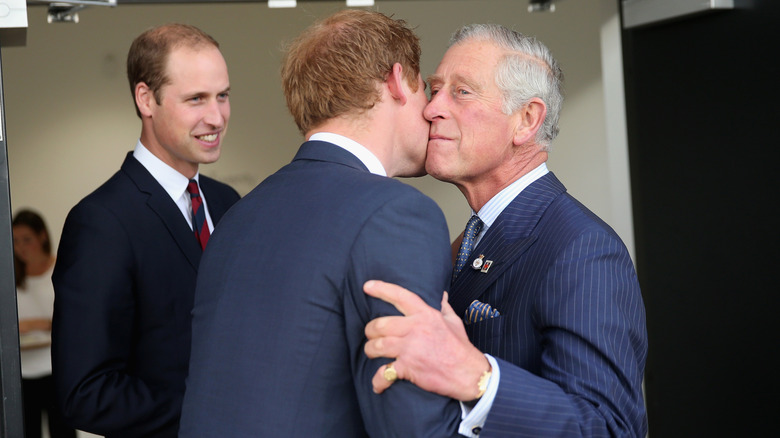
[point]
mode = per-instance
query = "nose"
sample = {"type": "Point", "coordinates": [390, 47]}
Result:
{"type": "Point", "coordinates": [436, 107]}
{"type": "Point", "coordinates": [217, 114]}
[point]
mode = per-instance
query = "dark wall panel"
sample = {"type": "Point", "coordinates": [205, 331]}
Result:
{"type": "Point", "coordinates": [703, 111]}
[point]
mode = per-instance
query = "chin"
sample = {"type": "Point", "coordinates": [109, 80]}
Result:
{"type": "Point", "coordinates": [436, 173]}
{"type": "Point", "coordinates": [412, 173]}
{"type": "Point", "coordinates": [210, 158]}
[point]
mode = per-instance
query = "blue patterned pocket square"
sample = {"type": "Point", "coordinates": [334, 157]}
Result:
{"type": "Point", "coordinates": [479, 311]}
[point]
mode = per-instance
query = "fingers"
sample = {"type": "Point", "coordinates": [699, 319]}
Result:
{"type": "Point", "coordinates": [389, 326]}
{"type": "Point", "coordinates": [383, 378]}
{"type": "Point", "coordinates": [446, 309]}
{"type": "Point", "coordinates": [384, 346]}
{"type": "Point", "coordinates": [405, 301]}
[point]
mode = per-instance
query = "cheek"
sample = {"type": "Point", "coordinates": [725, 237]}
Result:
{"type": "Point", "coordinates": [493, 132]}
{"type": "Point", "coordinates": [182, 119]}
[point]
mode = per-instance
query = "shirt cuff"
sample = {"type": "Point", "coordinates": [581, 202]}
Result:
{"type": "Point", "coordinates": [473, 417]}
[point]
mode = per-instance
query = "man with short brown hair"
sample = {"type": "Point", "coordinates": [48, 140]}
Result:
{"type": "Point", "coordinates": [129, 252]}
{"type": "Point", "coordinates": [279, 309]}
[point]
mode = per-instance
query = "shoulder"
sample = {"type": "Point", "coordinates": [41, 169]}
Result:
{"type": "Point", "coordinates": [569, 213]}
{"type": "Point", "coordinates": [116, 192]}
{"type": "Point", "coordinates": [564, 210]}
{"type": "Point", "coordinates": [383, 191]}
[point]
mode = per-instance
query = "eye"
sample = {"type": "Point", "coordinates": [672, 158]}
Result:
{"type": "Point", "coordinates": [463, 92]}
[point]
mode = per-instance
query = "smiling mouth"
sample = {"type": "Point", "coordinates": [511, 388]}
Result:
{"type": "Point", "coordinates": [208, 137]}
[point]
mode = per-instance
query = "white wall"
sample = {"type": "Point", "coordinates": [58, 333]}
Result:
{"type": "Point", "coordinates": [70, 119]}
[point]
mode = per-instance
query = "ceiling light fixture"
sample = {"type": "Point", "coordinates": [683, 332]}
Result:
{"type": "Point", "coordinates": [67, 11]}
{"type": "Point", "coordinates": [281, 3]}
{"type": "Point", "coordinates": [541, 6]}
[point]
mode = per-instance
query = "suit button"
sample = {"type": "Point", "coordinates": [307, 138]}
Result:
{"type": "Point", "coordinates": [476, 430]}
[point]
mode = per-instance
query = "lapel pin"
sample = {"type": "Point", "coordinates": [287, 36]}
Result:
{"type": "Point", "coordinates": [480, 264]}
{"type": "Point", "coordinates": [477, 263]}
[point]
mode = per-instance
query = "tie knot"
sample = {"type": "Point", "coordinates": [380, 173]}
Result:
{"type": "Point", "coordinates": [192, 187]}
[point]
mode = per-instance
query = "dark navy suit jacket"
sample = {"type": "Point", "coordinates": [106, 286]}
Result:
{"type": "Point", "coordinates": [280, 313]}
{"type": "Point", "coordinates": [570, 340]}
{"type": "Point", "coordinates": [124, 284]}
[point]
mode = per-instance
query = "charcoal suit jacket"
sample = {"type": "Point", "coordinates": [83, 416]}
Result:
{"type": "Point", "coordinates": [280, 312]}
{"type": "Point", "coordinates": [124, 283]}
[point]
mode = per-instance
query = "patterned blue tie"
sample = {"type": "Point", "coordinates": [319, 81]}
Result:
{"type": "Point", "coordinates": [473, 227]}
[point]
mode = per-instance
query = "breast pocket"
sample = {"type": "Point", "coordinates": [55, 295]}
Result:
{"type": "Point", "coordinates": [486, 334]}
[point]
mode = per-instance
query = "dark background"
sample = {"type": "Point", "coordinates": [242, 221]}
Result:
{"type": "Point", "coordinates": [702, 109]}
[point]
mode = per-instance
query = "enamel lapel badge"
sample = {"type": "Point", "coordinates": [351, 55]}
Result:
{"type": "Point", "coordinates": [481, 265]}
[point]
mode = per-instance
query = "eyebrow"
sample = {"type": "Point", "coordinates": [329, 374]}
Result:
{"type": "Point", "coordinates": [436, 79]}
{"type": "Point", "coordinates": [206, 93]}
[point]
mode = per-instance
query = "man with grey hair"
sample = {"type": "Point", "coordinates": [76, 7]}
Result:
{"type": "Point", "coordinates": [544, 332]}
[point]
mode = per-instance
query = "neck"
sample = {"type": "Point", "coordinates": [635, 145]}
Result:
{"type": "Point", "coordinates": [361, 130]}
{"type": "Point", "coordinates": [479, 192]}
{"type": "Point", "coordinates": [155, 148]}
{"type": "Point", "coordinates": [39, 264]}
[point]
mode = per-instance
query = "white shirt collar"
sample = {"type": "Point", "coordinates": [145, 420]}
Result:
{"type": "Point", "coordinates": [172, 181]}
{"type": "Point", "coordinates": [361, 152]}
{"type": "Point", "coordinates": [490, 211]}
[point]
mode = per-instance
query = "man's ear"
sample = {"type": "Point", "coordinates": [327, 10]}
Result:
{"type": "Point", "coordinates": [144, 99]}
{"type": "Point", "coordinates": [529, 120]}
{"type": "Point", "coordinates": [395, 83]}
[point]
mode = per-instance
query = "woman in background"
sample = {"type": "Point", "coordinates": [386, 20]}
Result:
{"type": "Point", "coordinates": [33, 264]}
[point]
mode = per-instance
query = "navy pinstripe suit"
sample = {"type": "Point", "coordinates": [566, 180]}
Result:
{"type": "Point", "coordinates": [570, 340]}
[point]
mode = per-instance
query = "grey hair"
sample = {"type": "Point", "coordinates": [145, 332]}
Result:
{"type": "Point", "coordinates": [528, 71]}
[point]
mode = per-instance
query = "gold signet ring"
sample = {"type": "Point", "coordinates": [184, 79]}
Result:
{"type": "Point", "coordinates": [390, 374]}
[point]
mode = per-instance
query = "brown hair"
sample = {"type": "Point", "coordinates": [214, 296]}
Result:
{"type": "Point", "coordinates": [35, 222]}
{"type": "Point", "coordinates": [148, 55]}
{"type": "Point", "coordinates": [334, 66]}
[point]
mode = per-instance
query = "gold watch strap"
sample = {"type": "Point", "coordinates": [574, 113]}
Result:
{"type": "Point", "coordinates": [483, 383]}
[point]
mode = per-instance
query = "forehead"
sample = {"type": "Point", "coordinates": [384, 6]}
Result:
{"type": "Point", "coordinates": [23, 230]}
{"type": "Point", "coordinates": [194, 64]}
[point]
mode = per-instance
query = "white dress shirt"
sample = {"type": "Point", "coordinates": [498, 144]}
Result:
{"type": "Point", "coordinates": [172, 182]}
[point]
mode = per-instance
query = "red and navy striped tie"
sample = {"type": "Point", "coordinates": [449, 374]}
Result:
{"type": "Point", "coordinates": [199, 224]}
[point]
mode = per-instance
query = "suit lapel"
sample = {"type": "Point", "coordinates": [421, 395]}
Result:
{"type": "Point", "coordinates": [510, 236]}
{"type": "Point", "coordinates": [497, 248]}
{"type": "Point", "coordinates": [162, 204]}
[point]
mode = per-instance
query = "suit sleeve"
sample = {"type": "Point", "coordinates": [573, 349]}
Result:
{"type": "Point", "coordinates": [591, 319]}
{"type": "Point", "coordinates": [94, 313]}
{"type": "Point", "coordinates": [404, 242]}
